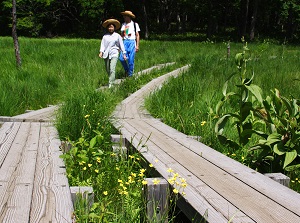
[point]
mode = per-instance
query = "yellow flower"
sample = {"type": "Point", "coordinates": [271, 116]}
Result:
{"type": "Point", "coordinates": [203, 123]}
{"type": "Point", "coordinates": [80, 163]}
{"type": "Point", "coordinates": [120, 181]}
{"type": "Point", "coordinates": [141, 174]}
{"type": "Point", "coordinates": [151, 165]}
{"type": "Point", "coordinates": [184, 185]}
{"type": "Point", "coordinates": [117, 168]}
{"type": "Point", "coordinates": [133, 174]}
{"type": "Point", "coordinates": [183, 193]}
{"type": "Point", "coordinates": [90, 164]}
{"type": "Point", "coordinates": [243, 158]}
{"type": "Point", "coordinates": [98, 159]}
{"type": "Point", "coordinates": [156, 160]}
{"type": "Point", "coordinates": [170, 170]}
{"type": "Point", "coordinates": [175, 191]}
{"type": "Point", "coordinates": [105, 193]}
{"type": "Point", "coordinates": [84, 168]}
{"type": "Point", "coordinates": [182, 180]}
{"type": "Point", "coordinates": [156, 181]}
{"type": "Point", "coordinates": [130, 156]}
{"type": "Point", "coordinates": [137, 158]}
{"type": "Point", "coordinates": [86, 116]}
{"type": "Point", "coordinates": [113, 154]}
{"type": "Point", "coordinates": [144, 182]}
{"type": "Point", "coordinates": [97, 171]}
{"type": "Point", "coordinates": [142, 170]}
{"type": "Point", "coordinates": [125, 192]}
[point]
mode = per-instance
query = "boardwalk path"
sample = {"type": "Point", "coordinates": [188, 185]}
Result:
{"type": "Point", "coordinates": [218, 186]}
{"type": "Point", "coordinates": [33, 183]}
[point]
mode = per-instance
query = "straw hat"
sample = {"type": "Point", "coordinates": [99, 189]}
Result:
{"type": "Point", "coordinates": [128, 13]}
{"type": "Point", "coordinates": [115, 22]}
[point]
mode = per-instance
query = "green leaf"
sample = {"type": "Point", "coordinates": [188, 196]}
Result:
{"type": "Point", "coordinates": [289, 157]}
{"type": "Point", "coordinates": [279, 150]}
{"type": "Point", "coordinates": [273, 138]}
{"type": "Point", "coordinates": [93, 142]}
{"type": "Point", "coordinates": [224, 89]}
{"type": "Point", "coordinates": [288, 105]}
{"type": "Point", "coordinates": [256, 91]}
{"type": "Point", "coordinates": [219, 127]}
{"type": "Point", "coordinates": [292, 167]}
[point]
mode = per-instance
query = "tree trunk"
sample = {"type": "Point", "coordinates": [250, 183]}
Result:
{"type": "Point", "coordinates": [14, 34]}
{"type": "Point", "coordinates": [146, 20]}
{"type": "Point", "coordinates": [253, 20]}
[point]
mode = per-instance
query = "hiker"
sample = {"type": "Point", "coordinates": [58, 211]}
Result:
{"type": "Point", "coordinates": [110, 46]}
{"type": "Point", "coordinates": [131, 38]}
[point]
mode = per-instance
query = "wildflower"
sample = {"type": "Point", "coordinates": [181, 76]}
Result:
{"type": "Point", "coordinates": [90, 164]}
{"type": "Point", "coordinates": [184, 185]}
{"type": "Point", "coordinates": [84, 168]}
{"type": "Point", "coordinates": [97, 171]}
{"type": "Point", "coordinates": [113, 154]}
{"type": "Point", "coordinates": [133, 174]}
{"type": "Point", "coordinates": [233, 154]}
{"type": "Point", "coordinates": [137, 158]}
{"type": "Point", "coordinates": [120, 181]}
{"type": "Point", "coordinates": [183, 193]}
{"type": "Point", "coordinates": [125, 192]}
{"type": "Point", "coordinates": [130, 156]}
{"type": "Point", "coordinates": [98, 159]}
{"type": "Point", "coordinates": [175, 191]}
{"type": "Point", "coordinates": [203, 123]}
{"type": "Point", "coordinates": [142, 170]}
{"type": "Point", "coordinates": [183, 180]}
{"type": "Point", "coordinates": [243, 158]}
{"type": "Point", "coordinates": [141, 174]}
{"type": "Point", "coordinates": [117, 168]}
{"type": "Point", "coordinates": [170, 170]}
{"type": "Point", "coordinates": [86, 116]}
{"type": "Point", "coordinates": [151, 165]}
{"type": "Point", "coordinates": [156, 181]}
{"type": "Point", "coordinates": [105, 193]}
{"type": "Point", "coordinates": [80, 163]}
{"type": "Point", "coordinates": [144, 182]}
{"type": "Point", "coordinates": [171, 180]}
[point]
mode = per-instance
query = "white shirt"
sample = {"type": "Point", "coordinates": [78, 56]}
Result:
{"type": "Point", "coordinates": [111, 44]}
{"type": "Point", "coordinates": [128, 30]}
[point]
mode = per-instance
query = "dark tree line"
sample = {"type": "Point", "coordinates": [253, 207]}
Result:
{"type": "Point", "coordinates": [213, 18]}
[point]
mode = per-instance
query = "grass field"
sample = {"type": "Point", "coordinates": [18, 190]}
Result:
{"type": "Point", "coordinates": [68, 71]}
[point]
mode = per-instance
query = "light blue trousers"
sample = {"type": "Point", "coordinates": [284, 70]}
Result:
{"type": "Point", "coordinates": [130, 54]}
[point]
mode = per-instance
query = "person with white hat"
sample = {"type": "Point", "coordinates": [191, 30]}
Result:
{"type": "Point", "coordinates": [110, 46]}
{"type": "Point", "coordinates": [131, 38]}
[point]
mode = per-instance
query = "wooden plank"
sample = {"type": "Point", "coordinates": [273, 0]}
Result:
{"type": "Point", "coordinates": [8, 133]}
{"type": "Point", "coordinates": [17, 174]}
{"type": "Point", "coordinates": [51, 196]}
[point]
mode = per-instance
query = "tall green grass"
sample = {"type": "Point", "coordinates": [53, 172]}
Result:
{"type": "Point", "coordinates": [67, 71]}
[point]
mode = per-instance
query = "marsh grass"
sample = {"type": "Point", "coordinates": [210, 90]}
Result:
{"type": "Point", "coordinates": [67, 71]}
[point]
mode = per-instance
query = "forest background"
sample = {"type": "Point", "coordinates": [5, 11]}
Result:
{"type": "Point", "coordinates": [224, 20]}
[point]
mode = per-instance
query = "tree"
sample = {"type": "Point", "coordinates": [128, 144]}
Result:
{"type": "Point", "coordinates": [14, 34]}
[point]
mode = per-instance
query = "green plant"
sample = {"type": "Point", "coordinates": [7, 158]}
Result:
{"type": "Point", "coordinates": [275, 119]}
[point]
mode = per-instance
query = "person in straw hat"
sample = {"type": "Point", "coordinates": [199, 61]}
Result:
{"type": "Point", "coordinates": [131, 38]}
{"type": "Point", "coordinates": [110, 46]}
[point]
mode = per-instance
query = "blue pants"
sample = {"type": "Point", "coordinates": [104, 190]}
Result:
{"type": "Point", "coordinates": [130, 54]}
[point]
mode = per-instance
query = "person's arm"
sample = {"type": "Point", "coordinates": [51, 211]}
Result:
{"type": "Point", "coordinates": [122, 47]}
{"type": "Point", "coordinates": [102, 48]}
{"type": "Point", "coordinates": [137, 36]}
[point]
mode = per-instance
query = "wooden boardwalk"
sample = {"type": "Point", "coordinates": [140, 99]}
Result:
{"type": "Point", "coordinates": [218, 187]}
{"type": "Point", "coordinates": [33, 182]}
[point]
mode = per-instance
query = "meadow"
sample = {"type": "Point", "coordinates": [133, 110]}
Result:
{"type": "Point", "coordinates": [67, 72]}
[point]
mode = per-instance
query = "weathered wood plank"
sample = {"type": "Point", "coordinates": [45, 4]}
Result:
{"type": "Point", "coordinates": [17, 173]}
{"type": "Point", "coordinates": [51, 195]}
{"type": "Point", "coordinates": [8, 132]}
